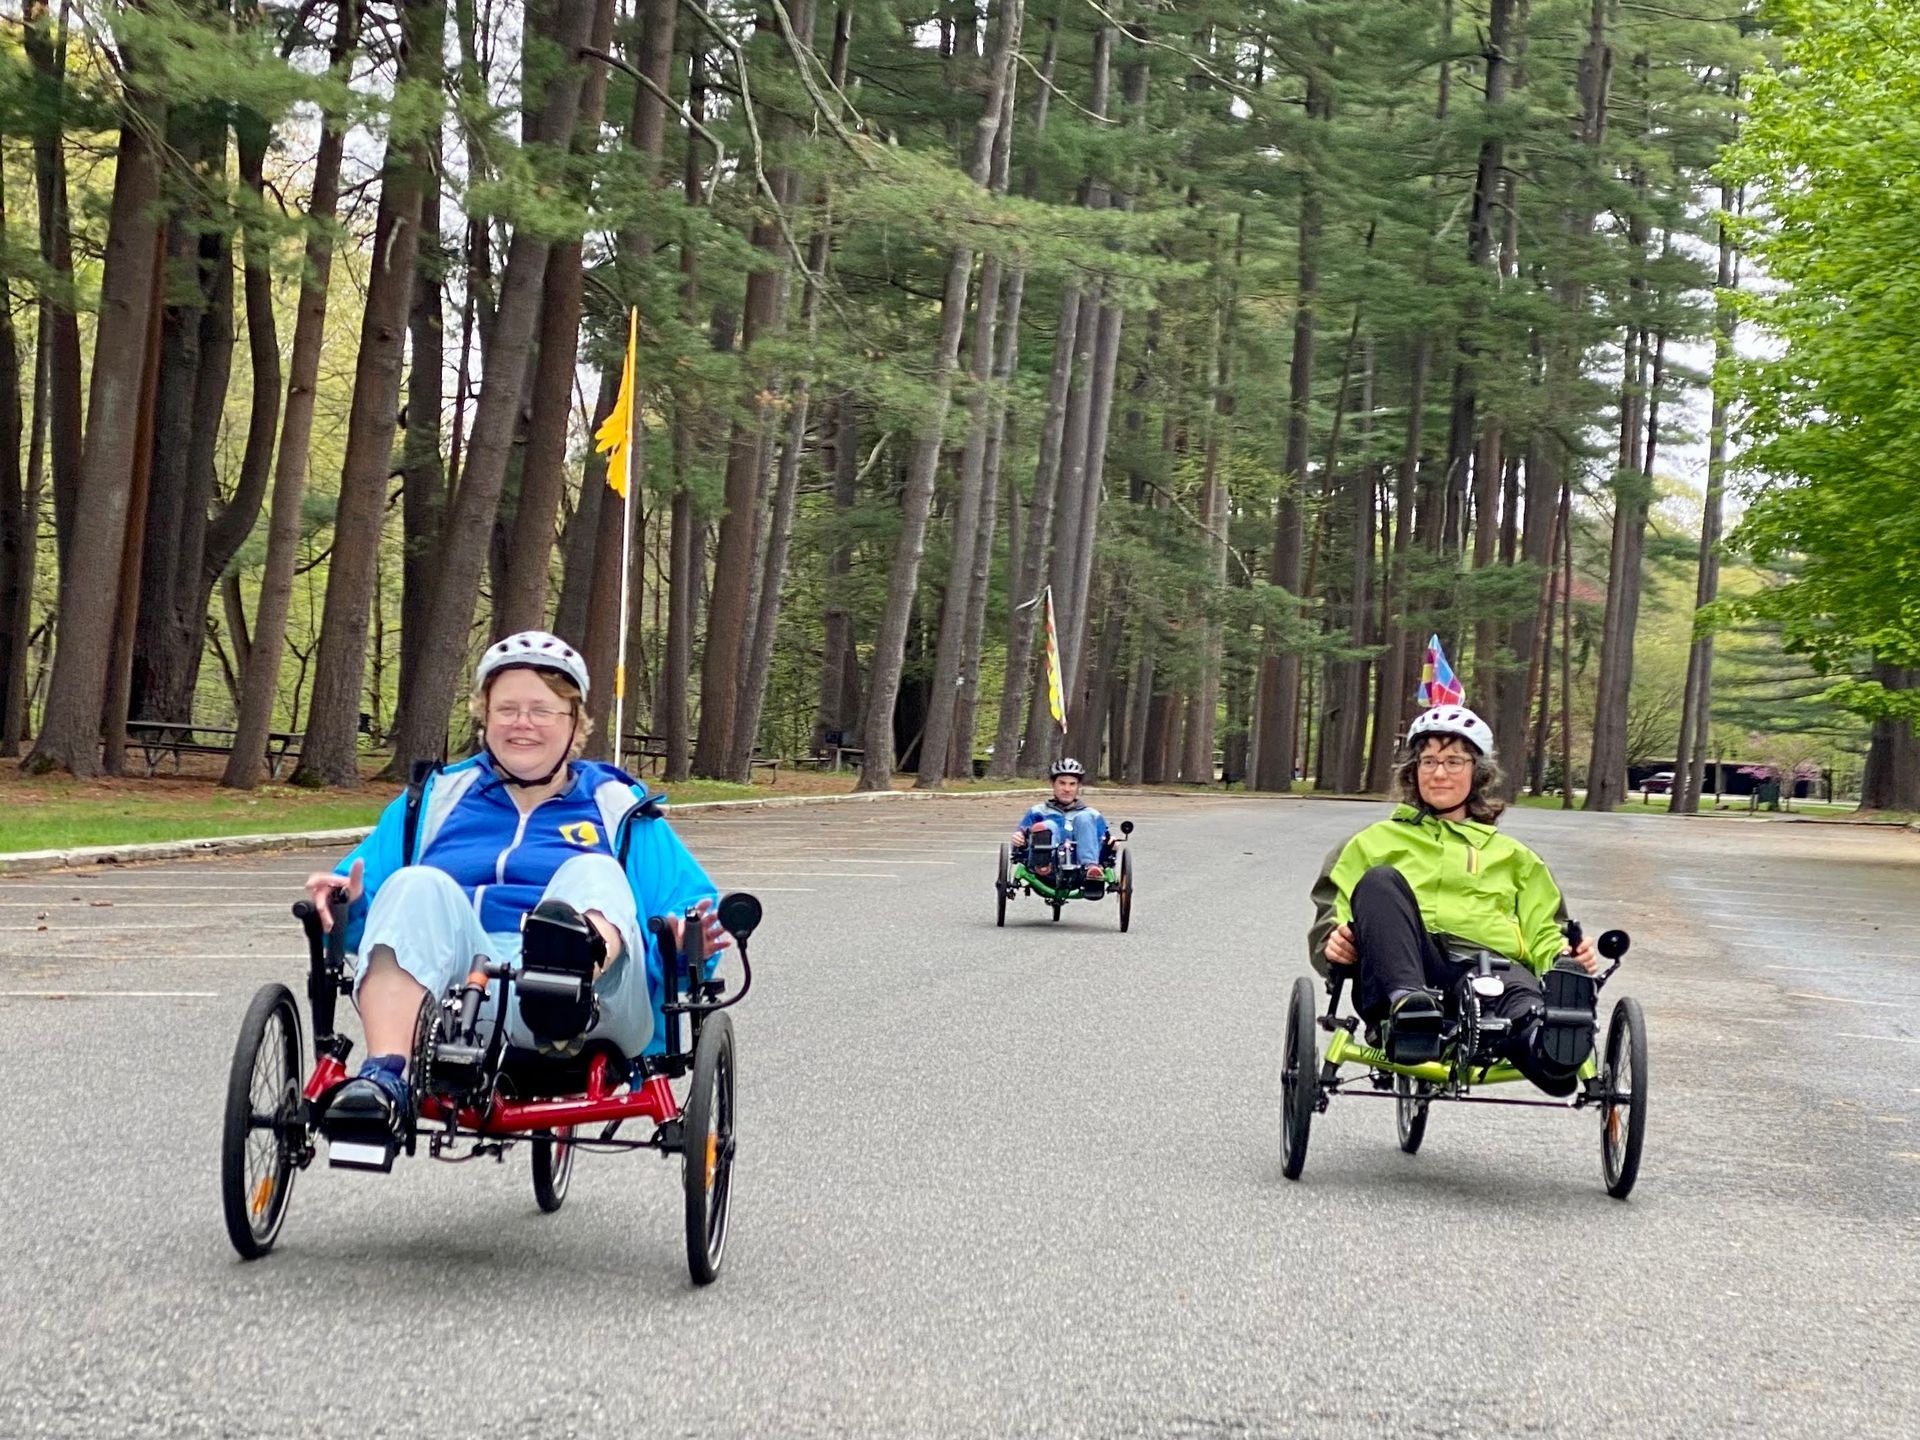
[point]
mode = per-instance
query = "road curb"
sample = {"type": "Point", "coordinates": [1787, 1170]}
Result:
{"type": "Point", "coordinates": [27, 862]}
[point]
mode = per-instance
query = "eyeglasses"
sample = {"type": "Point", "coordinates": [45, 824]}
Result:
{"type": "Point", "coordinates": [1451, 764]}
{"type": "Point", "coordinates": [543, 716]}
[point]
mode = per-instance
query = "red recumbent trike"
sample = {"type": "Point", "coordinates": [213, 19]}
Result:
{"type": "Point", "coordinates": [474, 1094]}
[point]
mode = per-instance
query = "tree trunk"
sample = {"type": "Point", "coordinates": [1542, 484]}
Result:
{"type": "Point", "coordinates": [889, 650]}
{"type": "Point", "coordinates": [838, 714]}
{"type": "Point", "coordinates": [330, 752]}
{"type": "Point", "coordinates": [1280, 666]}
{"type": "Point", "coordinates": [260, 683]}
{"type": "Point", "coordinates": [1891, 780]}
{"type": "Point", "coordinates": [70, 735]}
{"type": "Point", "coordinates": [46, 49]}
{"type": "Point", "coordinates": [972, 496]}
{"type": "Point", "coordinates": [470, 516]}
{"type": "Point", "coordinates": [17, 538]}
{"type": "Point", "coordinates": [1696, 711]}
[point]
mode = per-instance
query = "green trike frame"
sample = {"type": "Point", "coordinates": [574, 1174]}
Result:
{"type": "Point", "coordinates": [1611, 1082]}
{"type": "Point", "coordinates": [1016, 879]}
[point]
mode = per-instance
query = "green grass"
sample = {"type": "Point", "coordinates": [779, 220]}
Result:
{"type": "Point", "coordinates": [49, 820]}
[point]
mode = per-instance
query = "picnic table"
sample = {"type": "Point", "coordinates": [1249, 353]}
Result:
{"type": "Point", "coordinates": [157, 739]}
{"type": "Point", "coordinates": [832, 757]}
{"type": "Point", "coordinates": [639, 750]}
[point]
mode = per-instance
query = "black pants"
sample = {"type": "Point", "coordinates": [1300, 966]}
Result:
{"type": "Point", "coordinates": [1397, 953]}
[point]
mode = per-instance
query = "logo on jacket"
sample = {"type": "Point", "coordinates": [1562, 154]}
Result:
{"type": "Point", "coordinates": [584, 834]}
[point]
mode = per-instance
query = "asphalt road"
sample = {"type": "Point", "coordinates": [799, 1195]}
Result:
{"type": "Point", "coordinates": [1010, 1183]}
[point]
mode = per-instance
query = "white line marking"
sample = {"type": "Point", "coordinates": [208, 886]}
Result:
{"type": "Point", "coordinates": [1843, 1000]}
{"type": "Point", "coordinates": [1890, 1039]}
{"type": "Point", "coordinates": [144, 905]}
{"type": "Point", "coordinates": [109, 994]}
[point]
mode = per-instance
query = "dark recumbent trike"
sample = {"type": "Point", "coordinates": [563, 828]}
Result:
{"type": "Point", "coordinates": [1612, 1079]}
{"type": "Point", "coordinates": [474, 1094]}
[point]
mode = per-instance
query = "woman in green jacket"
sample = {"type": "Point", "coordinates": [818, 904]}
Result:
{"type": "Point", "coordinates": [1410, 902]}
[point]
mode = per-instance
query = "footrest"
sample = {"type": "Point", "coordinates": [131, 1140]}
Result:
{"type": "Point", "coordinates": [1567, 1028]}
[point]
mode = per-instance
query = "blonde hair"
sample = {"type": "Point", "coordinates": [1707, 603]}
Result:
{"type": "Point", "coordinates": [559, 684]}
{"type": "Point", "coordinates": [1483, 797]}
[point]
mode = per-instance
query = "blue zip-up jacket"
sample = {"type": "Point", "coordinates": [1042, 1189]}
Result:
{"type": "Point", "coordinates": [1088, 826]}
{"type": "Point", "coordinates": [469, 827]}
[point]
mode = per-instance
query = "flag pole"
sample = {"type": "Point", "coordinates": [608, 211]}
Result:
{"type": "Point", "coordinates": [626, 547]}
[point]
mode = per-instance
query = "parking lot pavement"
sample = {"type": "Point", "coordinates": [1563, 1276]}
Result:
{"type": "Point", "coordinates": [1018, 1181]}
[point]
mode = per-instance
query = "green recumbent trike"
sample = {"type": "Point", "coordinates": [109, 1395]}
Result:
{"type": "Point", "coordinates": [1051, 870]}
{"type": "Point", "coordinates": [1612, 1078]}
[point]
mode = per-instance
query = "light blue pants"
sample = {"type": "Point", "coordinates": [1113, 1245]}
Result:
{"type": "Point", "coordinates": [1085, 830]}
{"type": "Point", "coordinates": [430, 925]}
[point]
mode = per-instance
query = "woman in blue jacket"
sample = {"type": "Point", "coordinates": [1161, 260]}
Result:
{"type": "Point", "coordinates": [525, 822]}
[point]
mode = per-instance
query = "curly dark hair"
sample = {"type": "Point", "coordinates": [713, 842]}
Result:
{"type": "Point", "coordinates": [1483, 799]}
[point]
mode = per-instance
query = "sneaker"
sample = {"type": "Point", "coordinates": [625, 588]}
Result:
{"type": "Point", "coordinates": [1413, 1025]}
{"type": "Point", "coordinates": [374, 1100]}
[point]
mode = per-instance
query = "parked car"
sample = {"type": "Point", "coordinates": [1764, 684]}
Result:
{"type": "Point", "coordinates": [1659, 783]}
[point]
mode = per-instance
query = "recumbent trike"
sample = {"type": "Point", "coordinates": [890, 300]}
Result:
{"type": "Point", "coordinates": [1611, 1081]}
{"type": "Point", "coordinates": [1052, 871]}
{"type": "Point", "coordinates": [474, 1094]}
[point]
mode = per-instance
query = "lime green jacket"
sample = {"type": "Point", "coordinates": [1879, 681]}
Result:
{"type": "Point", "coordinates": [1477, 888]}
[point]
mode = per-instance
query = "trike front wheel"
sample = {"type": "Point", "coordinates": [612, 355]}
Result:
{"type": "Point", "coordinates": [1004, 885]}
{"type": "Point", "coordinates": [1623, 1098]}
{"type": "Point", "coordinates": [707, 1148]}
{"type": "Point", "coordinates": [1410, 1110]}
{"type": "Point", "coordinates": [260, 1134]}
{"type": "Point", "coordinates": [552, 1168]}
{"type": "Point", "coordinates": [1299, 1080]}
{"type": "Point", "coordinates": [1126, 890]}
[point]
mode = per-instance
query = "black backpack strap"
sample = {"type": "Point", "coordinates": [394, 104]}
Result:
{"type": "Point", "coordinates": [423, 770]}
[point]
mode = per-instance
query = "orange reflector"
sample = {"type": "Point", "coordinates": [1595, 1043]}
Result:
{"type": "Point", "coordinates": [262, 1194]}
{"type": "Point", "coordinates": [713, 1158]}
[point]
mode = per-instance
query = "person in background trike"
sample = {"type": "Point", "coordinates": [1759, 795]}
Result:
{"type": "Point", "coordinates": [1412, 901]}
{"type": "Point", "coordinates": [1065, 815]}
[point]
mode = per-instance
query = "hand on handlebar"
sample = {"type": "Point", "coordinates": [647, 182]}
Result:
{"type": "Point", "coordinates": [716, 934]}
{"type": "Point", "coordinates": [1340, 949]}
{"type": "Point", "coordinates": [322, 883]}
{"type": "Point", "coordinates": [1584, 956]}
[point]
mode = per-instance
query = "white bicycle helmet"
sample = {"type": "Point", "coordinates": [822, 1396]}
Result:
{"type": "Point", "coordinates": [1453, 720]}
{"type": "Point", "coordinates": [533, 650]}
{"type": "Point", "coordinates": [1069, 766]}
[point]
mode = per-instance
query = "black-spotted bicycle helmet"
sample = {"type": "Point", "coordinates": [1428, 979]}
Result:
{"type": "Point", "coordinates": [532, 650]}
{"type": "Point", "coordinates": [1068, 766]}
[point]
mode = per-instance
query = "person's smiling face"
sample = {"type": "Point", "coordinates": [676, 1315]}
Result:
{"type": "Point", "coordinates": [1445, 770]}
{"type": "Point", "coordinates": [528, 726]}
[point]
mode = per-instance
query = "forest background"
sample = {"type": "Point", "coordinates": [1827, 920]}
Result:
{"type": "Point", "coordinates": [1268, 339]}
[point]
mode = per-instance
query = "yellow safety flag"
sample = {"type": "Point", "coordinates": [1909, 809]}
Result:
{"type": "Point", "coordinates": [615, 435]}
{"type": "Point", "coordinates": [1056, 686]}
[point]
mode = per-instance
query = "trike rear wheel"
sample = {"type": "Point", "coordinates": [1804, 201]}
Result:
{"type": "Point", "coordinates": [1299, 1080]}
{"type": "Point", "coordinates": [706, 1155]}
{"type": "Point", "coordinates": [552, 1168]}
{"type": "Point", "coordinates": [260, 1134]}
{"type": "Point", "coordinates": [1623, 1098]}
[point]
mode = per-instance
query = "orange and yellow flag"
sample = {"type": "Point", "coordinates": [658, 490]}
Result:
{"type": "Point", "coordinates": [615, 435]}
{"type": "Point", "coordinates": [1056, 687]}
